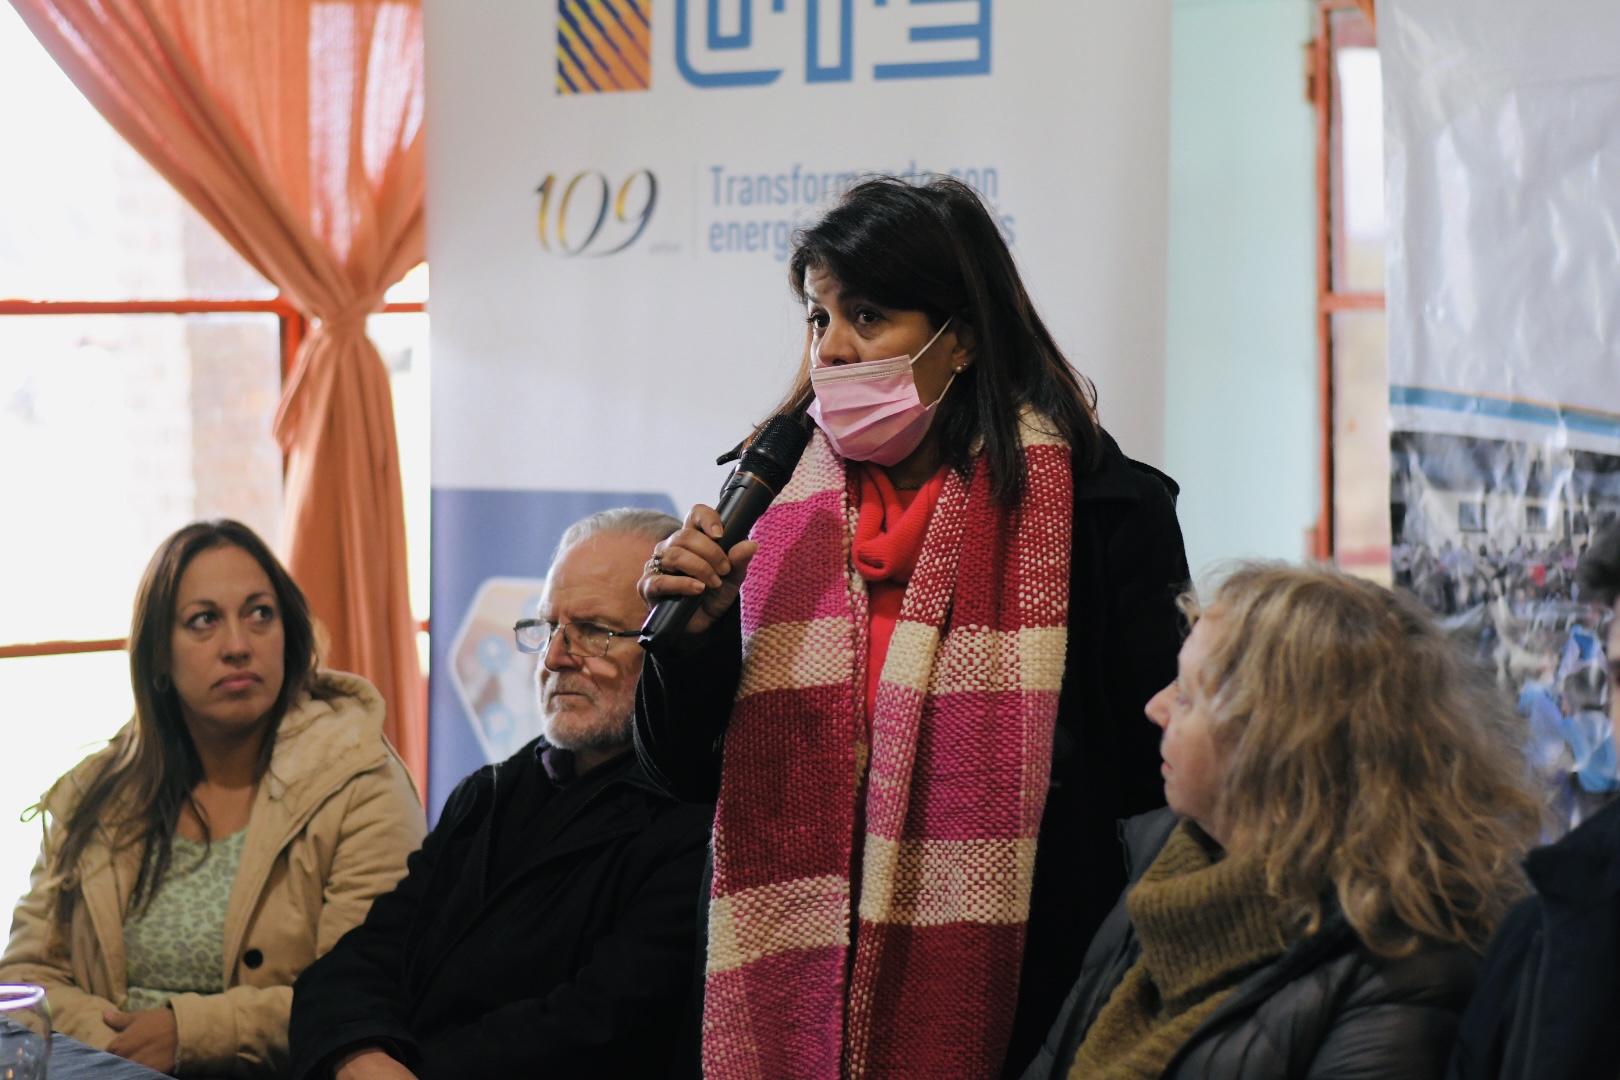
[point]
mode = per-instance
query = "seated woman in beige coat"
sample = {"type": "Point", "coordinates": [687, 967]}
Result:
{"type": "Point", "coordinates": [238, 826]}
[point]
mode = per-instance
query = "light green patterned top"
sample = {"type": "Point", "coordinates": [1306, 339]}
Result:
{"type": "Point", "coordinates": [177, 945]}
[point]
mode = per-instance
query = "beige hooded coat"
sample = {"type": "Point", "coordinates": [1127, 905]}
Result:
{"type": "Point", "coordinates": [332, 823]}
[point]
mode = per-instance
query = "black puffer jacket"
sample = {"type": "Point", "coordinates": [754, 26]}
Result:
{"type": "Point", "coordinates": [1327, 1008]}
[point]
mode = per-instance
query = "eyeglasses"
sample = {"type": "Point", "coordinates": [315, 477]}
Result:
{"type": "Point", "coordinates": [581, 639]}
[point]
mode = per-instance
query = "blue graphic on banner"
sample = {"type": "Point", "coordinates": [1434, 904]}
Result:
{"type": "Point", "coordinates": [1588, 421]}
{"type": "Point", "coordinates": [491, 551]}
{"type": "Point", "coordinates": [698, 53]}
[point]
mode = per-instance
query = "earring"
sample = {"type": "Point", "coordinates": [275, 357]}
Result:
{"type": "Point", "coordinates": [160, 682]}
{"type": "Point", "coordinates": [959, 368]}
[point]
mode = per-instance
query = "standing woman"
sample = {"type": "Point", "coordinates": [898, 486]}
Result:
{"type": "Point", "coordinates": [239, 825]}
{"type": "Point", "coordinates": [922, 719]}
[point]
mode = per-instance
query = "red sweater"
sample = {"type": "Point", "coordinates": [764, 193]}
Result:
{"type": "Point", "coordinates": [889, 532]}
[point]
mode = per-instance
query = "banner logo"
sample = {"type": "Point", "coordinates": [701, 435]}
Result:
{"type": "Point", "coordinates": [721, 43]}
{"type": "Point", "coordinates": [603, 46]}
{"type": "Point", "coordinates": [587, 215]}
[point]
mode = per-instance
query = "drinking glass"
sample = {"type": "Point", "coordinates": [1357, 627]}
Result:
{"type": "Point", "coordinates": [25, 1032]}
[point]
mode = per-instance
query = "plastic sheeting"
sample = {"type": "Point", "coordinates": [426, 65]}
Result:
{"type": "Point", "coordinates": [1503, 184]}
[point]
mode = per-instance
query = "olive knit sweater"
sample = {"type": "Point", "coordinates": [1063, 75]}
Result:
{"type": "Point", "coordinates": [1204, 923]}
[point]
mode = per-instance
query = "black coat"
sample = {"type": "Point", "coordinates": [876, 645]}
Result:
{"type": "Point", "coordinates": [576, 963]}
{"type": "Point", "coordinates": [1548, 1005]}
{"type": "Point", "coordinates": [1126, 568]}
{"type": "Point", "coordinates": [1327, 1008]}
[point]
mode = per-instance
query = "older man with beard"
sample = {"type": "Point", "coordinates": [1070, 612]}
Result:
{"type": "Point", "coordinates": [546, 927]}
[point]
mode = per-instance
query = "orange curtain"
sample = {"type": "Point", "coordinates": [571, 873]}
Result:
{"type": "Point", "coordinates": [295, 128]}
{"type": "Point", "coordinates": [1366, 7]}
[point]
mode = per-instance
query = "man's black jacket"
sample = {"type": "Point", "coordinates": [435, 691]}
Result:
{"type": "Point", "coordinates": [1548, 1004]}
{"type": "Point", "coordinates": [501, 953]}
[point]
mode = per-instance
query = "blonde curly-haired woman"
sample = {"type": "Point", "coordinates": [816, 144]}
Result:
{"type": "Point", "coordinates": [1348, 806]}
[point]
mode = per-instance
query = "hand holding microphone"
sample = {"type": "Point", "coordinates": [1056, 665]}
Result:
{"type": "Point", "coordinates": [691, 564]}
{"type": "Point", "coordinates": [694, 575]}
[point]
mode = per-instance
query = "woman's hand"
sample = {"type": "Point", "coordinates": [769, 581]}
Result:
{"type": "Point", "coordinates": [370, 1064]}
{"type": "Point", "coordinates": [147, 1037]}
{"type": "Point", "coordinates": [690, 563]}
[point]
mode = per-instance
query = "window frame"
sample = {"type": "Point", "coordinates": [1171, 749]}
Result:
{"type": "Point", "coordinates": [1322, 92]}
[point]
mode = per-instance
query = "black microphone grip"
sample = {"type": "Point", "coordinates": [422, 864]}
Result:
{"type": "Point", "coordinates": [765, 469]}
{"type": "Point", "coordinates": [742, 501]}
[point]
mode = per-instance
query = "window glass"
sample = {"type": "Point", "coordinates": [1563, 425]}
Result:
{"type": "Point", "coordinates": [1361, 444]}
{"type": "Point", "coordinates": [402, 339]}
{"type": "Point", "coordinates": [101, 223]}
{"type": "Point", "coordinates": [1358, 175]}
{"type": "Point", "coordinates": [61, 708]}
{"type": "Point", "coordinates": [410, 289]}
{"type": "Point", "coordinates": [116, 430]}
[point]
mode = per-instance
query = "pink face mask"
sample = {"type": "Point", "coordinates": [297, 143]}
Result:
{"type": "Point", "coordinates": [871, 411]}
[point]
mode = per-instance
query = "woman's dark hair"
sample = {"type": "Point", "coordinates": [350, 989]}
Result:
{"type": "Point", "coordinates": [934, 248]}
{"type": "Point", "coordinates": [138, 795]}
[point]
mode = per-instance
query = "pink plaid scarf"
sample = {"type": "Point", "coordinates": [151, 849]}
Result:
{"type": "Point", "coordinates": [924, 814]}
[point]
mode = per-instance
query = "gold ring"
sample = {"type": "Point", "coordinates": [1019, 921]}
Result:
{"type": "Point", "coordinates": [655, 565]}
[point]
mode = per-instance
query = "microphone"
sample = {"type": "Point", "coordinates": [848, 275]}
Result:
{"type": "Point", "coordinates": [764, 470]}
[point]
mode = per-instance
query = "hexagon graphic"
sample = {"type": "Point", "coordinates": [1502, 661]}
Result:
{"type": "Point", "coordinates": [494, 681]}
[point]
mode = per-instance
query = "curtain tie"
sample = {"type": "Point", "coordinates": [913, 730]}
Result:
{"type": "Point", "coordinates": [348, 320]}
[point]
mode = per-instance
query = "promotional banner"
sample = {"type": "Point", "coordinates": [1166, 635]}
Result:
{"type": "Point", "coordinates": [1503, 178]}
{"type": "Point", "coordinates": [613, 190]}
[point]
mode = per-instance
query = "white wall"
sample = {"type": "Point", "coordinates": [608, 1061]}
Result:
{"type": "Point", "coordinates": [1240, 400]}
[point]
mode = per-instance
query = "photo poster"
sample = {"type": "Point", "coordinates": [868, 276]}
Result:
{"type": "Point", "coordinates": [613, 189]}
{"type": "Point", "coordinates": [1503, 182]}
